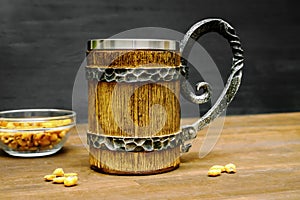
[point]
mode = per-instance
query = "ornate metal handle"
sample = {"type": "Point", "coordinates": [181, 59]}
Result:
{"type": "Point", "coordinates": [233, 82]}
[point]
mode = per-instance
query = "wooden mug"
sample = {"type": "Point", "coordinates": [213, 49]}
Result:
{"type": "Point", "coordinates": [133, 99]}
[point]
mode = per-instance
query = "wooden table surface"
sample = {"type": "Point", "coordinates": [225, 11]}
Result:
{"type": "Point", "coordinates": [265, 148]}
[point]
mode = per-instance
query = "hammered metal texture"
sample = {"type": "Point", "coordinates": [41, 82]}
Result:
{"type": "Point", "coordinates": [133, 75]}
{"type": "Point", "coordinates": [134, 144]}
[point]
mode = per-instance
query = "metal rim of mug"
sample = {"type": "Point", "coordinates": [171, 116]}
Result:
{"type": "Point", "coordinates": [130, 44]}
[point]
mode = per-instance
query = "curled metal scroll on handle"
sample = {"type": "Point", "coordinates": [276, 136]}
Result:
{"type": "Point", "coordinates": [232, 84]}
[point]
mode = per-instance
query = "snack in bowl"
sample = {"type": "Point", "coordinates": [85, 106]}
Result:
{"type": "Point", "coordinates": [35, 132]}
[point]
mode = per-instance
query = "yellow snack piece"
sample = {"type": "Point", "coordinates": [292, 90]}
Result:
{"type": "Point", "coordinates": [49, 177]}
{"type": "Point", "coordinates": [70, 181]}
{"type": "Point", "coordinates": [214, 172]}
{"type": "Point", "coordinates": [38, 136]}
{"type": "Point", "coordinates": [221, 167]}
{"type": "Point", "coordinates": [230, 168]}
{"type": "Point", "coordinates": [62, 134]}
{"type": "Point", "coordinates": [45, 141]}
{"type": "Point", "coordinates": [59, 179]}
{"type": "Point", "coordinates": [22, 143]}
{"type": "Point", "coordinates": [70, 174]}
{"type": "Point", "coordinates": [53, 137]}
{"type": "Point", "coordinates": [47, 125]}
{"type": "Point", "coordinates": [58, 172]}
{"type": "Point", "coordinates": [13, 145]}
{"type": "Point", "coordinates": [3, 124]}
{"type": "Point", "coordinates": [10, 125]}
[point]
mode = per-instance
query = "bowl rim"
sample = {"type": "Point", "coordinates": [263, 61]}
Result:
{"type": "Point", "coordinates": [65, 114]}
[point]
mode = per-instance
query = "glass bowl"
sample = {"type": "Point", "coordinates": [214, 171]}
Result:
{"type": "Point", "coordinates": [35, 132]}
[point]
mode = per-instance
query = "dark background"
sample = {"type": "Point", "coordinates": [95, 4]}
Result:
{"type": "Point", "coordinates": [42, 45]}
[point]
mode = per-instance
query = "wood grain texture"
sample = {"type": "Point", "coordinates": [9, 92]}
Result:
{"type": "Point", "coordinates": [133, 58]}
{"type": "Point", "coordinates": [265, 149]}
{"type": "Point", "coordinates": [134, 109]}
{"type": "Point", "coordinates": [130, 110]}
{"type": "Point", "coordinates": [134, 163]}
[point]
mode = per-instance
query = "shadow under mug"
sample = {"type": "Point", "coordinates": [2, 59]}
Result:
{"type": "Point", "coordinates": [134, 87]}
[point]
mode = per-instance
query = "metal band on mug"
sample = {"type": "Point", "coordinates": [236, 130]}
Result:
{"type": "Point", "coordinates": [132, 75]}
{"type": "Point", "coordinates": [141, 144]}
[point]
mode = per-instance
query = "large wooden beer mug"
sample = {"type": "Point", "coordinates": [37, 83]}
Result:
{"type": "Point", "coordinates": [133, 95]}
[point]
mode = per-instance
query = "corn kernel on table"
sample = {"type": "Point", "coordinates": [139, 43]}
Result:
{"type": "Point", "coordinates": [265, 149]}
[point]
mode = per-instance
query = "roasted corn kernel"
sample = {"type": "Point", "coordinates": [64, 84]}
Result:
{"type": "Point", "coordinates": [32, 141]}
{"type": "Point", "coordinates": [230, 168]}
{"type": "Point", "coordinates": [62, 134]}
{"type": "Point", "coordinates": [214, 172]}
{"type": "Point", "coordinates": [59, 179]}
{"type": "Point", "coordinates": [58, 176]}
{"type": "Point", "coordinates": [70, 174]}
{"type": "Point", "coordinates": [70, 181]}
{"type": "Point", "coordinates": [221, 167]}
{"type": "Point", "coordinates": [49, 177]}
{"type": "Point", "coordinates": [53, 137]}
{"type": "Point", "coordinates": [58, 172]}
